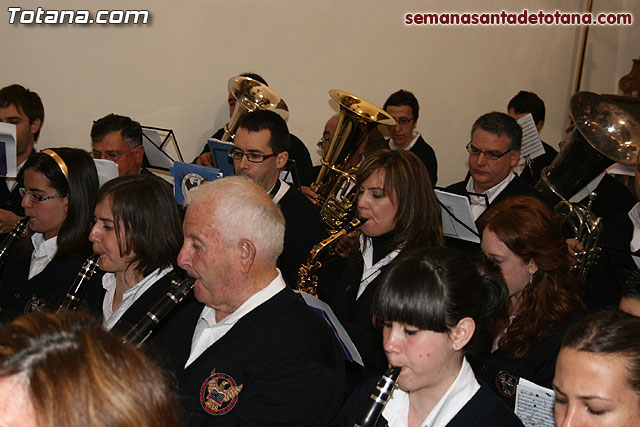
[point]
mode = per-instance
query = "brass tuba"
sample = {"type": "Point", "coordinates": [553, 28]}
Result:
{"type": "Point", "coordinates": [604, 133]}
{"type": "Point", "coordinates": [251, 95]}
{"type": "Point", "coordinates": [357, 118]}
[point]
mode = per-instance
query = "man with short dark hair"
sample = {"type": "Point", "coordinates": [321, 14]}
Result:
{"type": "Point", "coordinates": [119, 139]}
{"type": "Point", "coordinates": [298, 152]}
{"type": "Point", "coordinates": [23, 108]}
{"type": "Point", "coordinates": [494, 150]}
{"type": "Point", "coordinates": [250, 352]}
{"type": "Point", "coordinates": [260, 151]}
{"type": "Point", "coordinates": [403, 107]}
{"type": "Point", "coordinates": [520, 105]}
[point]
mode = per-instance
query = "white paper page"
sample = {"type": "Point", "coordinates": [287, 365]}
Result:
{"type": "Point", "coordinates": [531, 144]}
{"type": "Point", "coordinates": [8, 145]}
{"type": "Point", "coordinates": [341, 334]}
{"type": "Point", "coordinates": [460, 207]}
{"type": "Point", "coordinates": [534, 404]}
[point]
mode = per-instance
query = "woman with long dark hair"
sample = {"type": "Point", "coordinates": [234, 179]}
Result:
{"type": "Point", "coordinates": [138, 235]}
{"type": "Point", "coordinates": [437, 310]}
{"type": "Point", "coordinates": [401, 212]}
{"type": "Point", "coordinates": [523, 236]}
{"type": "Point", "coordinates": [59, 189]}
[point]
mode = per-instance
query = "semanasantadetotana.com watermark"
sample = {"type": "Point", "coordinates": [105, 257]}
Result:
{"type": "Point", "coordinates": [18, 15]}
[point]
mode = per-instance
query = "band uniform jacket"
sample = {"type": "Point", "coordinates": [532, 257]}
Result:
{"type": "Point", "coordinates": [615, 262]}
{"type": "Point", "coordinates": [428, 157]}
{"type": "Point", "coordinates": [95, 294]}
{"type": "Point", "coordinates": [482, 410]}
{"type": "Point", "coordinates": [278, 365]}
{"type": "Point", "coordinates": [44, 291]}
{"type": "Point", "coordinates": [304, 228]}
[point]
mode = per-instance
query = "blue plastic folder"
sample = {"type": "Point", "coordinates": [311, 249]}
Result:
{"type": "Point", "coordinates": [187, 176]}
{"type": "Point", "coordinates": [220, 154]}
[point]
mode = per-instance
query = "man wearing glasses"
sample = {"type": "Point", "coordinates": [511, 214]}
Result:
{"type": "Point", "coordinates": [493, 150]}
{"type": "Point", "coordinates": [403, 107]}
{"type": "Point", "coordinates": [260, 151]}
{"type": "Point", "coordinates": [119, 139]}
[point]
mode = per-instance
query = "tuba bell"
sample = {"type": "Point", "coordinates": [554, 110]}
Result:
{"type": "Point", "coordinates": [251, 95]}
{"type": "Point", "coordinates": [357, 118]}
{"type": "Point", "coordinates": [604, 133]}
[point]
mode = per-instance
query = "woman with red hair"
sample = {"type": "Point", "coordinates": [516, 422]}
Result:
{"type": "Point", "coordinates": [523, 236]}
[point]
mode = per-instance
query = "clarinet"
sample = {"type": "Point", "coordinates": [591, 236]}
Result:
{"type": "Point", "coordinates": [17, 231]}
{"type": "Point", "coordinates": [79, 286]}
{"type": "Point", "coordinates": [379, 398]}
{"type": "Point", "coordinates": [139, 333]}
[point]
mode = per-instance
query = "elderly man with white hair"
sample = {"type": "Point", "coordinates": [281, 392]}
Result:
{"type": "Point", "coordinates": [250, 352]}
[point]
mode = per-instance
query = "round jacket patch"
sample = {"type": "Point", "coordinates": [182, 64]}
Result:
{"type": "Point", "coordinates": [35, 305]}
{"type": "Point", "coordinates": [219, 393]}
{"type": "Point", "coordinates": [507, 383]}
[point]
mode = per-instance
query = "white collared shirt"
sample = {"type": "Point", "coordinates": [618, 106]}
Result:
{"type": "Point", "coordinates": [415, 135]}
{"type": "Point", "coordinates": [43, 253]}
{"type": "Point", "coordinates": [478, 205]}
{"type": "Point", "coordinates": [208, 331]}
{"type": "Point", "coordinates": [459, 393]}
{"type": "Point", "coordinates": [634, 216]}
{"type": "Point", "coordinates": [12, 182]}
{"type": "Point", "coordinates": [110, 316]}
{"type": "Point", "coordinates": [371, 270]}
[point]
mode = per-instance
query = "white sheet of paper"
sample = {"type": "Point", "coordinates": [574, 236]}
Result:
{"type": "Point", "coordinates": [342, 336]}
{"type": "Point", "coordinates": [531, 144]}
{"type": "Point", "coordinates": [461, 208]}
{"type": "Point", "coordinates": [8, 138]}
{"type": "Point", "coordinates": [534, 404]}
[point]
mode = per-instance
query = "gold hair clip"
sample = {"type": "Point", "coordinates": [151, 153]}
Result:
{"type": "Point", "coordinates": [61, 164]}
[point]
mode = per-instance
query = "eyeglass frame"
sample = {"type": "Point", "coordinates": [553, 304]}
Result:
{"type": "Point", "coordinates": [326, 137]}
{"type": "Point", "coordinates": [487, 155]}
{"type": "Point", "coordinates": [114, 158]}
{"type": "Point", "coordinates": [37, 198]}
{"type": "Point", "coordinates": [243, 154]}
{"type": "Point", "coordinates": [403, 121]}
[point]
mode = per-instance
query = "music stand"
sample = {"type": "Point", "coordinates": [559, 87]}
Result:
{"type": "Point", "coordinates": [156, 142]}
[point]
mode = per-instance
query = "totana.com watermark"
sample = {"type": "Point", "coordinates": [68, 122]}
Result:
{"type": "Point", "coordinates": [18, 15]}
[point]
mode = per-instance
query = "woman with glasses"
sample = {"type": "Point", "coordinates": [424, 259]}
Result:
{"type": "Point", "coordinates": [400, 212]}
{"type": "Point", "coordinates": [59, 189]}
{"type": "Point", "coordinates": [137, 234]}
{"type": "Point", "coordinates": [523, 236]}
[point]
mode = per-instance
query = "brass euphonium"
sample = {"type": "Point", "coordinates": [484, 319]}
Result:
{"type": "Point", "coordinates": [251, 95]}
{"type": "Point", "coordinates": [357, 118]}
{"type": "Point", "coordinates": [604, 134]}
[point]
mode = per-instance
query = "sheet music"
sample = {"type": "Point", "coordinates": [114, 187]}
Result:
{"type": "Point", "coordinates": [322, 309]}
{"type": "Point", "coordinates": [8, 150]}
{"type": "Point", "coordinates": [534, 404]}
{"type": "Point", "coordinates": [460, 207]}
{"type": "Point", "coordinates": [531, 144]}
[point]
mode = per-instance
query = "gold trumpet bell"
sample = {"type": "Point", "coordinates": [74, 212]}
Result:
{"type": "Point", "coordinates": [251, 95]}
{"type": "Point", "coordinates": [335, 180]}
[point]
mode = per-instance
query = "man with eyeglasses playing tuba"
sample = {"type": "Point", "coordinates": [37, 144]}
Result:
{"type": "Point", "coordinates": [260, 151]}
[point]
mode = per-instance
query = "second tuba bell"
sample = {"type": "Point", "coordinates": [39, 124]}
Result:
{"type": "Point", "coordinates": [357, 118]}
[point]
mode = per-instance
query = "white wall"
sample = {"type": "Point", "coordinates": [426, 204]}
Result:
{"type": "Point", "coordinates": [172, 72]}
